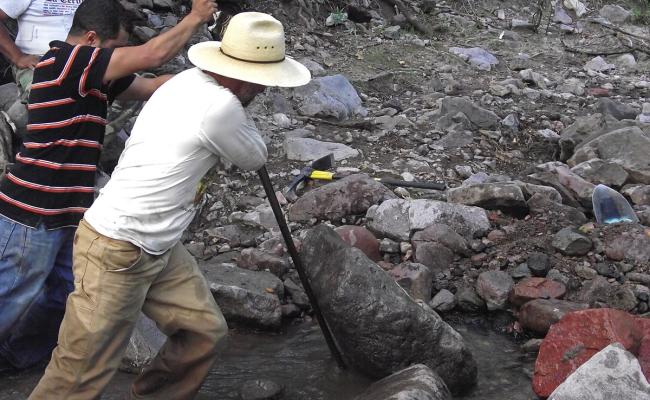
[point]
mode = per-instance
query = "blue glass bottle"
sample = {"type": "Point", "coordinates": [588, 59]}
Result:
{"type": "Point", "coordinates": [610, 207]}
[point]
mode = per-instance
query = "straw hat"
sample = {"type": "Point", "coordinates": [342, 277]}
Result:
{"type": "Point", "coordinates": [252, 50]}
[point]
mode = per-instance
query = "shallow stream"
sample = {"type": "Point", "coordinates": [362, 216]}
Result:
{"type": "Point", "coordinates": [299, 360]}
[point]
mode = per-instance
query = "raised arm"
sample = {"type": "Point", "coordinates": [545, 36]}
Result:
{"type": "Point", "coordinates": [9, 49]}
{"type": "Point", "coordinates": [159, 50]}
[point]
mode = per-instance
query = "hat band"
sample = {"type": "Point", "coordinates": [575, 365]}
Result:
{"type": "Point", "coordinates": [249, 61]}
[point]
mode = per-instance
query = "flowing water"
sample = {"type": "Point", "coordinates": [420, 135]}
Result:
{"type": "Point", "coordinates": [299, 360]}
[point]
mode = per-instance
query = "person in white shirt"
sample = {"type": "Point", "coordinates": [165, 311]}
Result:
{"type": "Point", "coordinates": [127, 253]}
{"type": "Point", "coordinates": [39, 23]}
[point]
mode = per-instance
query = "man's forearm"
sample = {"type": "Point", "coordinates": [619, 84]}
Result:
{"type": "Point", "coordinates": [170, 43]}
{"type": "Point", "coordinates": [7, 46]}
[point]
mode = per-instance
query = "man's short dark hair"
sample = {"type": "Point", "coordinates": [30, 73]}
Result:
{"type": "Point", "coordinates": [104, 17]}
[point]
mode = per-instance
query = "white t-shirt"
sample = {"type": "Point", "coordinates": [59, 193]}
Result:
{"type": "Point", "coordinates": [40, 22]}
{"type": "Point", "coordinates": [184, 128]}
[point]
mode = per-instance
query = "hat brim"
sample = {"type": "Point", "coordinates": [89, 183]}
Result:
{"type": "Point", "coordinates": [287, 73]}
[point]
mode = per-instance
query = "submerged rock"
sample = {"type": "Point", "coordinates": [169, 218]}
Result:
{"type": "Point", "coordinates": [379, 328]}
{"type": "Point", "coordinates": [417, 382]}
{"type": "Point", "coordinates": [540, 314]}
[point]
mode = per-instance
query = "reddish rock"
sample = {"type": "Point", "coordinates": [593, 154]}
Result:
{"type": "Point", "coordinates": [538, 315]}
{"type": "Point", "coordinates": [577, 337]}
{"type": "Point", "coordinates": [598, 92]}
{"type": "Point", "coordinates": [536, 288]}
{"type": "Point", "coordinates": [362, 239]}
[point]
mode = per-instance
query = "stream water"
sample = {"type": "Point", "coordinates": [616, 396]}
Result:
{"type": "Point", "coordinates": [299, 360]}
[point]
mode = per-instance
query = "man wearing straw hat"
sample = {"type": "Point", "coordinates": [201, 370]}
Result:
{"type": "Point", "coordinates": [127, 254]}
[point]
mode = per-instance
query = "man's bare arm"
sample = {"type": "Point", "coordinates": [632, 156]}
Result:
{"type": "Point", "coordinates": [159, 50]}
{"type": "Point", "coordinates": [143, 88]}
{"type": "Point", "coordinates": [9, 49]}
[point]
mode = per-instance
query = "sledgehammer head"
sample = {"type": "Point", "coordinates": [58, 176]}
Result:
{"type": "Point", "coordinates": [321, 164]}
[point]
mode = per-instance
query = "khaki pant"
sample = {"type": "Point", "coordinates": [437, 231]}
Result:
{"type": "Point", "coordinates": [23, 78]}
{"type": "Point", "coordinates": [113, 281]}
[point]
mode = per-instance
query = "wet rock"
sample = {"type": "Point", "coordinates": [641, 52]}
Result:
{"type": "Point", "coordinates": [469, 301]}
{"type": "Point", "coordinates": [352, 195]}
{"type": "Point", "coordinates": [507, 197]}
{"type": "Point", "coordinates": [256, 260]}
{"type": "Point", "coordinates": [598, 171]}
{"type": "Point", "coordinates": [143, 345]}
{"type": "Point", "coordinates": [478, 116]}
{"type": "Point", "coordinates": [307, 149]}
{"type": "Point", "coordinates": [370, 314]}
{"type": "Point", "coordinates": [297, 294]}
{"type": "Point", "coordinates": [476, 56]}
{"type": "Point", "coordinates": [248, 297]}
{"type": "Point", "coordinates": [612, 373]}
{"type": "Point", "coordinates": [329, 96]}
{"type": "Point", "coordinates": [362, 239]}
{"type": "Point", "coordinates": [261, 389]}
{"type": "Point", "coordinates": [538, 315]}
{"type": "Point", "coordinates": [417, 382]}
{"type": "Point", "coordinates": [443, 301]}
{"type": "Point", "coordinates": [236, 235]}
{"type": "Point", "coordinates": [627, 146]}
{"type": "Point", "coordinates": [617, 110]}
{"type": "Point", "coordinates": [571, 242]}
{"type": "Point", "coordinates": [539, 264]}
{"type": "Point", "coordinates": [531, 346]}
{"type": "Point", "coordinates": [536, 288]}
{"type": "Point", "coordinates": [415, 278]}
{"type": "Point", "coordinates": [494, 287]}
{"type": "Point", "coordinates": [599, 292]}
{"type": "Point", "coordinates": [615, 13]}
{"type": "Point", "coordinates": [435, 256]}
{"type": "Point", "coordinates": [576, 338]}
{"type": "Point", "coordinates": [398, 218]}
{"type": "Point", "coordinates": [443, 234]}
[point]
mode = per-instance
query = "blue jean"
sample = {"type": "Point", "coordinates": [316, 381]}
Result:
{"type": "Point", "coordinates": [35, 280]}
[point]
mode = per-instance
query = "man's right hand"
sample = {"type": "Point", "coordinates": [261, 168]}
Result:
{"type": "Point", "coordinates": [204, 9]}
{"type": "Point", "coordinates": [26, 61]}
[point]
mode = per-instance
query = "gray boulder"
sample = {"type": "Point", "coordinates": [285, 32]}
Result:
{"type": "Point", "coordinates": [143, 346]}
{"type": "Point", "coordinates": [507, 197]}
{"type": "Point", "coordinates": [352, 195]}
{"type": "Point", "coordinates": [379, 328]}
{"type": "Point", "coordinates": [307, 149]}
{"type": "Point", "coordinates": [417, 382]}
{"type": "Point", "coordinates": [248, 297]}
{"type": "Point", "coordinates": [398, 218]}
{"type": "Point", "coordinates": [443, 234]}
{"type": "Point", "coordinates": [494, 287]}
{"type": "Point", "coordinates": [480, 117]}
{"type": "Point", "coordinates": [605, 105]}
{"type": "Point", "coordinates": [615, 13]}
{"type": "Point", "coordinates": [329, 96]}
{"type": "Point", "coordinates": [628, 147]}
{"type": "Point", "coordinates": [478, 57]}
{"type": "Point", "coordinates": [598, 171]}
{"type": "Point", "coordinates": [570, 242]}
{"type": "Point", "coordinates": [612, 373]}
{"type": "Point", "coordinates": [236, 234]}
{"type": "Point", "coordinates": [443, 301]}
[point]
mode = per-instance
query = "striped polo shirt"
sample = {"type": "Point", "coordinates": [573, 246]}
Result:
{"type": "Point", "coordinates": [52, 180]}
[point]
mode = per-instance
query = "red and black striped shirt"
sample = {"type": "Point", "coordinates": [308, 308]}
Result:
{"type": "Point", "coordinates": [53, 177]}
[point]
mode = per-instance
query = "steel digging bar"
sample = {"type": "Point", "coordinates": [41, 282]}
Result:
{"type": "Point", "coordinates": [297, 262]}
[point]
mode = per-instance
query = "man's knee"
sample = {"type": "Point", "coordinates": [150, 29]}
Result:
{"type": "Point", "coordinates": [217, 328]}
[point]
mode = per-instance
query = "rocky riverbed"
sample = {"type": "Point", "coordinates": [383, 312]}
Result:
{"type": "Point", "coordinates": [521, 111]}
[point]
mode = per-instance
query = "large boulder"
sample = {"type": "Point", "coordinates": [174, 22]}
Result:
{"type": "Point", "coordinates": [248, 297]}
{"type": "Point", "coordinates": [352, 195]}
{"type": "Point", "coordinates": [417, 382]}
{"type": "Point", "coordinates": [627, 146]}
{"type": "Point", "coordinates": [536, 288]}
{"type": "Point", "coordinates": [507, 197]}
{"type": "Point", "coordinates": [307, 149]}
{"type": "Point", "coordinates": [612, 373]}
{"type": "Point", "coordinates": [598, 171]}
{"type": "Point", "coordinates": [329, 96]}
{"type": "Point", "coordinates": [379, 328]}
{"type": "Point", "coordinates": [399, 218]}
{"type": "Point", "coordinates": [576, 338]}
